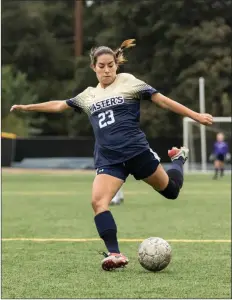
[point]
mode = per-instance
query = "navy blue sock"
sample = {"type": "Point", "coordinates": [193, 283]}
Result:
{"type": "Point", "coordinates": [107, 230]}
{"type": "Point", "coordinates": [175, 173]}
{"type": "Point", "coordinates": [176, 179]}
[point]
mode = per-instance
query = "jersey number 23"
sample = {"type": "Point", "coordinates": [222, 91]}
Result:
{"type": "Point", "coordinates": [106, 118]}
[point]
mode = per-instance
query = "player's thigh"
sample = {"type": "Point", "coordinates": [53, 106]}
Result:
{"type": "Point", "coordinates": [217, 164]}
{"type": "Point", "coordinates": [105, 186]}
{"type": "Point", "coordinates": [104, 189]}
{"type": "Point", "coordinates": [107, 182]}
{"type": "Point", "coordinates": [146, 166]}
{"type": "Point", "coordinates": [143, 165]}
{"type": "Point", "coordinates": [159, 179]}
{"type": "Point", "coordinates": [221, 164]}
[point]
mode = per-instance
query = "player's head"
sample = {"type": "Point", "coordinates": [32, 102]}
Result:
{"type": "Point", "coordinates": [220, 137]}
{"type": "Point", "coordinates": [105, 61]}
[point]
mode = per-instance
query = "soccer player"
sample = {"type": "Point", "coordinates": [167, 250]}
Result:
{"type": "Point", "coordinates": [220, 154]}
{"type": "Point", "coordinates": [121, 148]}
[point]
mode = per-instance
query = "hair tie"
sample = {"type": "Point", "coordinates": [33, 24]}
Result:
{"type": "Point", "coordinates": [119, 51]}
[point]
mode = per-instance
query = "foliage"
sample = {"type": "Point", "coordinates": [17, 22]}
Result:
{"type": "Point", "coordinates": [13, 123]}
{"type": "Point", "coordinates": [15, 90]}
{"type": "Point", "coordinates": [177, 42]}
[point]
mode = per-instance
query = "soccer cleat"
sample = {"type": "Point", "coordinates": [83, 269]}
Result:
{"type": "Point", "coordinates": [112, 203]}
{"type": "Point", "coordinates": [114, 261]}
{"type": "Point", "coordinates": [118, 198]}
{"type": "Point", "coordinates": [116, 201]}
{"type": "Point", "coordinates": [176, 153]}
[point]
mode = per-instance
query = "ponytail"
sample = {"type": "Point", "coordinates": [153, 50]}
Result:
{"type": "Point", "coordinates": [120, 59]}
{"type": "Point", "coordinates": [118, 54]}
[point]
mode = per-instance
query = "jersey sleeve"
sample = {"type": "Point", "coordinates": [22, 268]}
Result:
{"type": "Point", "coordinates": [214, 148]}
{"type": "Point", "coordinates": [78, 102]}
{"type": "Point", "coordinates": [140, 89]}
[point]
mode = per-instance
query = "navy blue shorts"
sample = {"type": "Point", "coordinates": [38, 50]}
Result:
{"type": "Point", "coordinates": [220, 157]}
{"type": "Point", "coordinates": [141, 166]}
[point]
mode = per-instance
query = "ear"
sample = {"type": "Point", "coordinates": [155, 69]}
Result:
{"type": "Point", "coordinates": [93, 67]}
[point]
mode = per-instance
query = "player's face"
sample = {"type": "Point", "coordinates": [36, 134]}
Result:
{"type": "Point", "coordinates": [220, 137]}
{"type": "Point", "coordinates": [105, 69]}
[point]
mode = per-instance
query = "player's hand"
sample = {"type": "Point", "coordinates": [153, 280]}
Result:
{"type": "Point", "coordinates": [228, 157]}
{"type": "Point", "coordinates": [18, 107]}
{"type": "Point", "coordinates": [212, 157]}
{"type": "Point", "coordinates": [205, 119]}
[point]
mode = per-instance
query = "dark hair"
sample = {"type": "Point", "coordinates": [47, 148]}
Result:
{"type": "Point", "coordinates": [117, 54]}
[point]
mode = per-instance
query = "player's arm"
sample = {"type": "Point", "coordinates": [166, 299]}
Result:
{"type": "Point", "coordinates": [50, 106]}
{"type": "Point", "coordinates": [212, 156]}
{"type": "Point", "coordinates": [180, 109]}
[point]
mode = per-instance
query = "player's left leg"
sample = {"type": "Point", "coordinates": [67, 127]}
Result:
{"type": "Point", "coordinates": [167, 183]}
{"type": "Point", "coordinates": [221, 167]}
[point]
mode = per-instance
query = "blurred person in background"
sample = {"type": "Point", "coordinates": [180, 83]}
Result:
{"type": "Point", "coordinates": [220, 155]}
{"type": "Point", "coordinates": [118, 198]}
{"type": "Point", "coordinates": [121, 147]}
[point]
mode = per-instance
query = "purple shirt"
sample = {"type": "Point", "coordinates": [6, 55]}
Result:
{"type": "Point", "coordinates": [220, 148]}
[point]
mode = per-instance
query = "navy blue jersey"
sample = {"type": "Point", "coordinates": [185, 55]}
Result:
{"type": "Point", "coordinates": [114, 113]}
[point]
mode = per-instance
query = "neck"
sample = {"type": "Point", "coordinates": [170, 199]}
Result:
{"type": "Point", "coordinates": [104, 86]}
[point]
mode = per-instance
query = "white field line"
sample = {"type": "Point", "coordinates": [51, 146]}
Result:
{"type": "Point", "coordinates": [98, 239]}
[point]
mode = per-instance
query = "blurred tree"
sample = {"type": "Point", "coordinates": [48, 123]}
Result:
{"type": "Point", "coordinates": [15, 90]}
{"type": "Point", "coordinates": [38, 40]}
{"type": "Point", "coordinates": [177, 42]}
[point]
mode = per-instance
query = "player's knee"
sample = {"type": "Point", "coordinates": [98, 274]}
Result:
{"type": "Point", "coordinates": [171, 191]}
{"type": "Point", "coordinates": [170, 195]}
{"type": "Point", "coordinates": [173, 195]}
{"type": "Point", "coordinates": [99, 204]}
{"type": "Point", "coordinates": [96, 203]}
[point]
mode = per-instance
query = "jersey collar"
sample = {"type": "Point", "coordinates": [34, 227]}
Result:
{"type": "Point", "coordinates": [112, 84]}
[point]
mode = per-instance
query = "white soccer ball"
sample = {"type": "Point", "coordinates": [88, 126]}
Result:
{"type": "Point", "coordinates": [154, 254]}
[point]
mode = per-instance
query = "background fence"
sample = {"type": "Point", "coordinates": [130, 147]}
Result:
{"type": "Point", "coordinates": [77, 153]}
{"type": "Point", "coordinates": [15, 151]}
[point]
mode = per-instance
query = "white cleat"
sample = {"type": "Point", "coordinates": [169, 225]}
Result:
{"type": "Point", "coordinates": [118, 198]}
{"type": "Point", "coordinates": [116, 201]}
{"type": "Point", "coordinates": [176, 153]}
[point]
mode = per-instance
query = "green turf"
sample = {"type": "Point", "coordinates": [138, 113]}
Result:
{"type": "Point", "coordinates": [58, 206]}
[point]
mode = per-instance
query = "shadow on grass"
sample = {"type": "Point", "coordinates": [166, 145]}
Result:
{"type": "Point", "coordinates": [150, 273]}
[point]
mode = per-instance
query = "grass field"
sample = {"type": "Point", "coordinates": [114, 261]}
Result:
{"type": "Point", "coordinates": [65, 263]}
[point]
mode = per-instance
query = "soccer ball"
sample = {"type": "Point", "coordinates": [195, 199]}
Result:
{"type": "Point", "coordinates": [154, 254]}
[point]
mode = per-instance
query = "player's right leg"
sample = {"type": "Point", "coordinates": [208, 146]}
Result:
{"type": "Point", "coordinates": [105, 186]}
{"type": "Point", "coordinates": [221, 159]}
{"type": "Point", "coordinates": [169, 183]}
